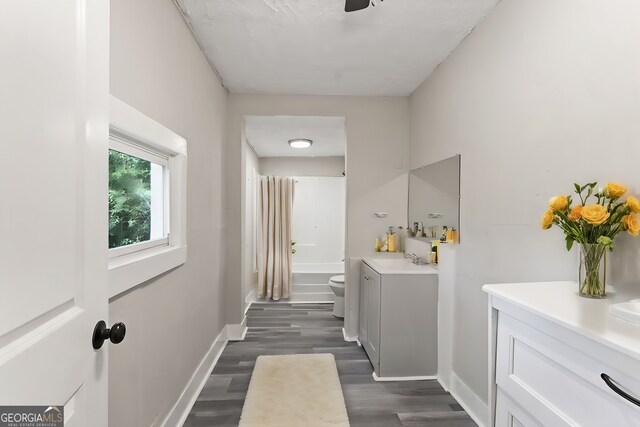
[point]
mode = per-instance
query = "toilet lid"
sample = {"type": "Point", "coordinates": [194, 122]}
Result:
{"type": "Point", "coordinates": [337, 279]}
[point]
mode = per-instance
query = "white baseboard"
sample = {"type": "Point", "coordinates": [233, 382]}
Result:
{"type": "Point", "coordinates": [418, 378]}
{"type": "Point", "coordinates": [247, 306]}
{"type": "Point", "coordinates": [444, 383]}
{"type": "Point", "coordinates": [237, 331]}
{"type": "Point", "coordinates": [348, 339]}
{"type": "Point", "coordinates": [475, 407]}
{"type": "Point", "coordinates": [180, 411]}
{"type": "Point", "coordinates": [249, 299]}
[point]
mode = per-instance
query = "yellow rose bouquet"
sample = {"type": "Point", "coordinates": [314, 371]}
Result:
{"type": "Point", "coordinates": [593, 223]}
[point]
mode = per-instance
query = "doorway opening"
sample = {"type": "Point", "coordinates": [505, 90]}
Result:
{"type": "Point", "coordinates": [317, 218]}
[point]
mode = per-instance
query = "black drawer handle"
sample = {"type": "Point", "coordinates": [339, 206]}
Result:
{"type": "Point", "coordinates": [615, 388]}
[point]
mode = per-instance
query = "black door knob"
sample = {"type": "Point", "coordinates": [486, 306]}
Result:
{"type": "Point", "coordinates": [115, 334]}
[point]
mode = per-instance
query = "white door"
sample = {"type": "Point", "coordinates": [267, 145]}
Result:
{"type": "Point", "coordinates": [53, 205]}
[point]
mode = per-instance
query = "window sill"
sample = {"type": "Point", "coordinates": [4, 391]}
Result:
{"type": "Point", "coordinates": [129, 271]}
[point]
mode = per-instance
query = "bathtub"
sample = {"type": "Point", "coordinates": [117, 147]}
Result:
{"type": "Point", "coordinates": [310, 282]}
{"type": "Point", "coordinates": [315, 273]}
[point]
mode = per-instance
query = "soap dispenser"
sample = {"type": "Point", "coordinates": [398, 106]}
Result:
{"type": "Point", "coordinates": [434, 254]}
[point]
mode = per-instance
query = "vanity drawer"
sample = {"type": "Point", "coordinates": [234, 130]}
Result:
{"type": "Point", "coordinates": [557, 384]}
{"type": "Point", "coordinates": [510, 414]}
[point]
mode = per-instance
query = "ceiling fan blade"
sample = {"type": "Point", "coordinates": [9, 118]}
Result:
{"type": "Point", "coordinates": [353, 5]}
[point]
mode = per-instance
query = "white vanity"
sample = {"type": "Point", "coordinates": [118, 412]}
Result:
{"type": "Point", "coordinates": [399, 318]}
{"type": "Point", "coordinates": [549, 349]}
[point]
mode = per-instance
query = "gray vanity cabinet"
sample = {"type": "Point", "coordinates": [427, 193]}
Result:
{"type": "Point", "coordinates": [398, 323]}
{"type": "Point", "coordinates": [370, 316]}
{"type": "Point", "coordinates": [363, 313]}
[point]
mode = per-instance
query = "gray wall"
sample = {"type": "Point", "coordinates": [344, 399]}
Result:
{"type": "Point", "coordinates": [543, 93]}
{"type": "Point", "coordinates": [302, 166]}
{"type": "Point", "coordinates": [157, 67]}
{"type": "Point", "coordinates": [250, 214]}
{"type": "Point", "coordinates": [377, 163]}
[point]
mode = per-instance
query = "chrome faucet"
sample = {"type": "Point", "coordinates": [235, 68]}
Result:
{"type": "Point", "coordinates": [415, 259]}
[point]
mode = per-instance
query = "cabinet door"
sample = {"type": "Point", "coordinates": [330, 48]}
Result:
{"type": "Point", "coordinates": [363, 310]}
{"type": "Point", "coordinates": [373, 329]}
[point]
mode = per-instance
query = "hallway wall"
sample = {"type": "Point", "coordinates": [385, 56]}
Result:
{"type": "Point", "coordinates": [172, 320]}
{"type": "Point", "coordinates": [252, 183]}
{"type": "Point", "coordinates": [302, 166]}
{"type": "Point", "coordinates": [543, 93]}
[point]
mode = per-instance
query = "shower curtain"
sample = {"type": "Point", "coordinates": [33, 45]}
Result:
{"type": "Point", "coordinates": [275, 201]}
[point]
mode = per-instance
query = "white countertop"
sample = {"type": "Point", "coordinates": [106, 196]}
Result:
{"type": "Point", "coordinates": [560, 303]}
{"type": "Point", "coordinates": [398, 266]}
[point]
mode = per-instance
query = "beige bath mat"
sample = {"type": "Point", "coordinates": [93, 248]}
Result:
{"type": "Point", "coordinates": [301, 390]}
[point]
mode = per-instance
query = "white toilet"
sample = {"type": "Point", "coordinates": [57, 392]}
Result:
{"type": "Point", "coordinates": [337, 286]}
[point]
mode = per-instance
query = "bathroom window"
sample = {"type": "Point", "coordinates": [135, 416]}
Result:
{"type": "Point", "coordinates": [137, 194]}
{"type": "Point", "coordinates": [147, 198]}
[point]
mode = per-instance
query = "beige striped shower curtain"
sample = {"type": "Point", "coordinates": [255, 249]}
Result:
{"type": "Point", "coordinates": [275, 202]}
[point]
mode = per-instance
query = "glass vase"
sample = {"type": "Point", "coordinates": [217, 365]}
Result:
{"type": "Point", "coordinates": [592, 277]}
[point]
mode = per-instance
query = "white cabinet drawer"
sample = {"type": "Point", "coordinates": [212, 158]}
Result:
{"type": "Point", "coordinates": [509, 414]}
{"type": "Point", "coordinates": [557, 384]}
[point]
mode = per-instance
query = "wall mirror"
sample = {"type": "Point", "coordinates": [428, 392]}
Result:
{"type": "Point", "coordinates": [434, 198]}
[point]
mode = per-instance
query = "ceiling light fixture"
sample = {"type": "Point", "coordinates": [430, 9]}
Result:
{"type": "Point", "coordinates": [300, 143]}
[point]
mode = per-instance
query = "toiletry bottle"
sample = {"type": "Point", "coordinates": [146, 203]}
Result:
{"type": "Point", "coordinates": [435, 245]}
{"type": "Point", "coordinates": [443, 237]}
{"type": "Point", "coordinates": [401, 238]}
{"type": "Point", "coordinates": [377, 246]}
{"type": "Point", "coordinates": [391, 242]}
{"type": "Point", "coordinates": [385, 246]}
{"type": "Point", "coordinates": [454, 235]}
{"type": "Point", "coordinates": [433, 255]}
{"type": "Point", "coordinates": [422, 233]}
{"type": "Point", "coordinates": [415, 229]}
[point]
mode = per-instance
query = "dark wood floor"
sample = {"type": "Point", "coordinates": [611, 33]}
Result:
{"type": "Point", "coordinates": [283, 328]}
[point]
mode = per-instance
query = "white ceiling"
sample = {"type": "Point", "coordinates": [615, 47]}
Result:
{"type": "Point", "coordinates": [314, 47]}
{"type": "Point", "coordinates": [269, 135]}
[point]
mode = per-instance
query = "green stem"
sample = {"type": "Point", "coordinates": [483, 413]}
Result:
{"type": "Point", "coordinates": [591, 285]}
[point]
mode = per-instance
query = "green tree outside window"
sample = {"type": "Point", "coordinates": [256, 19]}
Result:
{"type": "Point", "coordinates": [129, 199]}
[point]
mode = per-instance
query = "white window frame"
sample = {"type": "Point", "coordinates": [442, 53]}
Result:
{"type": "Point", "coordinates": [123, 145]}
{"type": "Point", "coordinates": [134, 264]}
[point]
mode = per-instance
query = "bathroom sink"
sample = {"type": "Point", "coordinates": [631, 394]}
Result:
{"type": "Point", "coordinates": [399, 266]}
{"type": "Point", "coordinates": [629, 311]}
